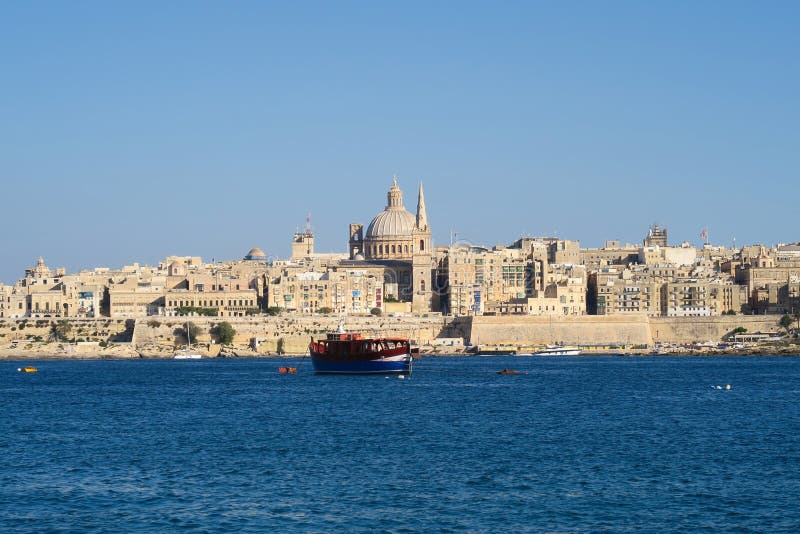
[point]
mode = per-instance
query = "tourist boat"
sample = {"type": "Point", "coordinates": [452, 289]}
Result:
{"type": "Point", "coordinates": [28, 369]}
{"type": "Point", "coordinates": [354, 354]}
{"type": "Point", "coordinates": [508, 372]}
{"type": "Point", "coordinates": [287, 370]}
{"type": "Point", "coordinates": [558, 350]}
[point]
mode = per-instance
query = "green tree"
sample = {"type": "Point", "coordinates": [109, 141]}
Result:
{"type": "Point", "coordinates": [274, 310]}
{"type": "Point", "coordinates": [324, 310]}
{"type": "Point", "coordinates": [375, 311]}
{"type": "Point", "coordinates": [786, 321]}
{"type": "Point", "coordinates": [281, 346]}
{"type": "Point", "coordinates": [62, 329]}
{"type": "Point", "coordinates": [225, 333]}
{"type": "Point", "coordinates": [739, 330]}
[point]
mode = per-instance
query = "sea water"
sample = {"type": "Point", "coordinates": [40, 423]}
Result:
{"type": "Point", "coordinates": [571, 444]}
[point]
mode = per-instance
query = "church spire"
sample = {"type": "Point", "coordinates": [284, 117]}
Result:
{"type": "Point", "coordinates": [422, 215]}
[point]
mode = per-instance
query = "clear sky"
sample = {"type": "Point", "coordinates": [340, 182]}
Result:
{"type": "Point", "coordinates": [130, 131]}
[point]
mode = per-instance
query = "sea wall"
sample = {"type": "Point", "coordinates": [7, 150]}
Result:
{"type": "Point", "coordinates": [583, 330]}
{"type": "Point", "coordinates": [270, 335]}
{"type": "Point", "coordinates": [37, 338]}
{"type": "Point", "coordinates": [700, 329]}
{"type": "Point", "coordinates": [621, 329]}
{"type": "Point", "coordinates": [160, 336]}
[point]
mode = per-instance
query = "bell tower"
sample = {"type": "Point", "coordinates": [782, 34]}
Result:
{"type": "Point", "coordinates": [422, 259]}
{"type": "Point", "coordinates": [356, 240]}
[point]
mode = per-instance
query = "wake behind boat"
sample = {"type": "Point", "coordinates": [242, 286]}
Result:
{"type": "Point", "coordinates": [354, 354]}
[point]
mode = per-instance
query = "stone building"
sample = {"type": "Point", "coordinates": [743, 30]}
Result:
{"type": "Point", "coordinates": [656, 236]}
{"type": "Point", "coordinates": [664, 290]}
{"type": "Point", "coordinates": [772, 278]}
{"type": "Point", "coordinates": [520, 279]}
{"type": "Point", "coordinates": [225, 303]}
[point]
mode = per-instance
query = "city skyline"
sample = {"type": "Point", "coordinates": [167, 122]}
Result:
{"type": "Point", "coordinates": [133, 133]}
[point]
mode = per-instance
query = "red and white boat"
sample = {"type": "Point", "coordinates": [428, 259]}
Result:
{"type": "Point", "coordinates": [348, 353]}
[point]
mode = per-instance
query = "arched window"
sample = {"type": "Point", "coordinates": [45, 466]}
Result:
{"type": "Point", "coordinates": [422, 285]}
{"type": "Point", "coordinates": [406, 249]}
{"type": "Point", "coordinates": [393, 250]}
{"type": "Point", "coordinates": [380, 249]}
{"type": "Point", "coordinates": [421, 245]}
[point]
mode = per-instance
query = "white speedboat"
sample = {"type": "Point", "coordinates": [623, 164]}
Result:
{"type": "Point", "coordinates": [558, 350]}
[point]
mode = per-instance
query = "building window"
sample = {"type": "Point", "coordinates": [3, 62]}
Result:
{"type": "Point", "coordinates": [393, 250]}
{"type": "Point", "coordinates": [406, 247]}
{"type": "Point", "coordinates": [421, 245]}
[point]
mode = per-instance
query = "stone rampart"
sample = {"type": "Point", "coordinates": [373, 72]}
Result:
{"type": "Point", "coordinates": [612, 330]}
{"type": "Point", "coordinates": [584, 330]}
{"type": "Point", "coordinates": [160, 336]}
{"type": "Point", "coordinates": [700, 329]}
{"type": "Point", "coordinates": [292, 333]}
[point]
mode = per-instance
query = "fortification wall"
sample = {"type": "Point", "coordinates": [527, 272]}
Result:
{"type": "Point", "coordinates": [700, 329]}
{"type": "Point", "coordinates": [293, 333]}
{"type": "Point", "coordinates": [600, 330]}
{"type": "Point", "coordinates": [34, 338]}
{"type": "Point", "coordinates": [154, 337]}
{"type": "Point", "coordinates": [584, 330]}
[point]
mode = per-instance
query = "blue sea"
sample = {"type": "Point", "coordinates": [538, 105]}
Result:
{"type": "Point", "coordinates": [576, 444]}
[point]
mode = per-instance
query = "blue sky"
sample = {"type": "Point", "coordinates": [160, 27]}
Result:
{"type": "Point", "coordinates": [132, 131]}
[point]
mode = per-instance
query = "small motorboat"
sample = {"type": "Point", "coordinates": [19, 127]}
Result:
{"type": "Point", "coordinates": [508, 372]}
{"type": "Point", "coordinates": [287, 370]}
{"type": "Point", "coordinates": [28, 369]}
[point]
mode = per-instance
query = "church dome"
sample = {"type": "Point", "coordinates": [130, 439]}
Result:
{"type": "Point", "coordinates": [394, 221]}
{"type": "Point", "coordinates": [255, 254]}
{"type": "Point", "coordinates": [391, 223]}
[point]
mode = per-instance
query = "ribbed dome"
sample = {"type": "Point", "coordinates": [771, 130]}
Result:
{"type": "Point", "coordinates": [255, 254]}
{"type": "Point", "coordinates": [392, 222]}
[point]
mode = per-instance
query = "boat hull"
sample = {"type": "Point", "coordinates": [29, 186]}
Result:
{"type": "Point", "coordinates": [351, 353]}
{"type": "Point", "coordinates": [187, 357]}
{"type": "Point", "coordinates": [395, 364]}
{"type": "Point", "coordinates": [558, 352]}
